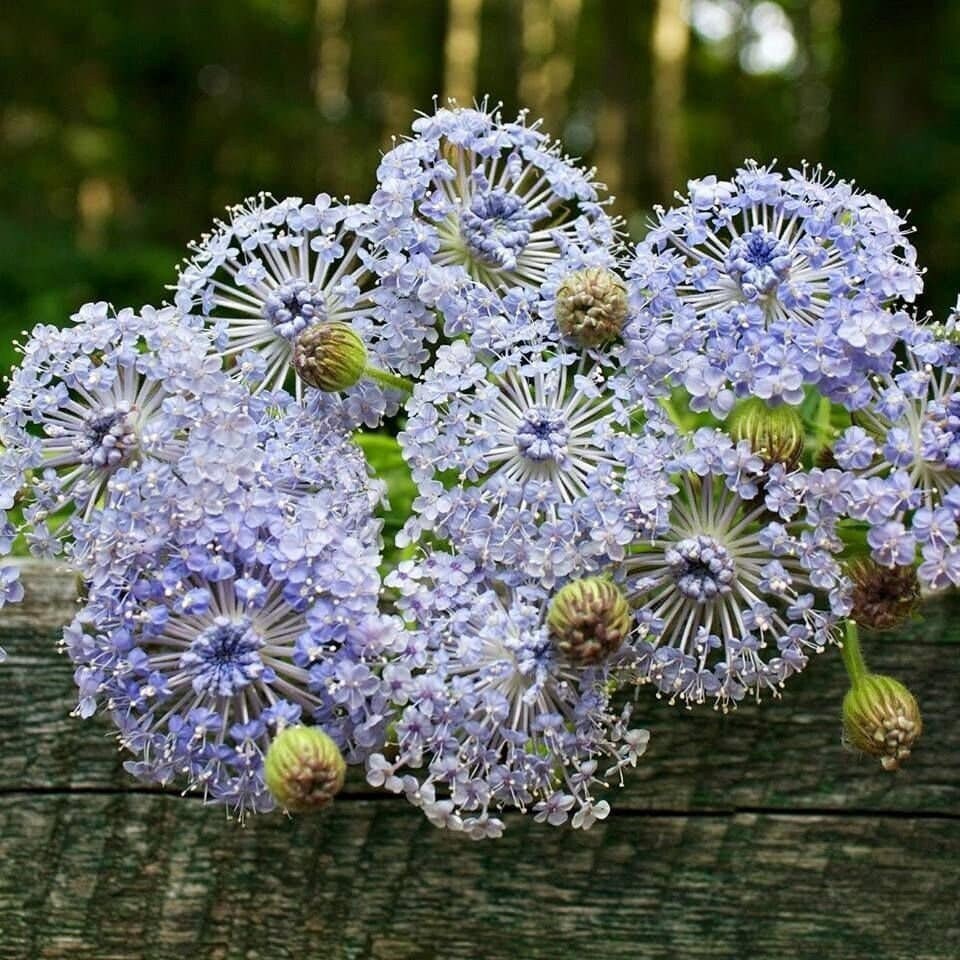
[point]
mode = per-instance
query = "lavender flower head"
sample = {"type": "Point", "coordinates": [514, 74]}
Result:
{"type": "Point", "coordinates": [475, 200]}
{"type": "Point", "coordinates": [231, 602]}
{"type": "Point", "coordinates": [740, 585]}
{"type": "Point", "coordinates": [764, 283]}
{"type": "Point", "coordinates": [277, 268]}
{"type": "Point", "coordinates": [901, 459]}
{"type": "Point", "coordinates": [490, 714]}
{"type": "Point", "coordinates": [112, 391]}
{"type": "Point", "coordinates": [533, 436]}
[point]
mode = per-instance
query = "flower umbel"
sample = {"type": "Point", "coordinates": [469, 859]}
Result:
{"type": "Point", "coordinates": [534, 436]}
{"type": "Point", "coordinates": [736, 590]}
{"type": "Point", "coordinates": [474, 200]}
{"type": "Point", "coordinates": [492, 716]}
{"type": "Point", "coordinates": [277, 269]}
{"type": "Point", "coordinates": [112, 391]}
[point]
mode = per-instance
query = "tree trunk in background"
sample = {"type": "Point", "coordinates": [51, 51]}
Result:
{"type": "Point", "coordinates": [670, 45]}
{"type": "Point", "coordinates": [549, 53]}
{"type": "Point", "coordinates": [461, 50]}
{"type": "Point", "coordinates": [818, 24]}
{"type": "Point", "coordinates": [333, 59]}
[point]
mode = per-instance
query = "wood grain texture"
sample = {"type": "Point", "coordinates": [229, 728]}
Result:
{"type": "Point", "coordinates": [754, 835]}
{"type": "Point", "coordinates": [113, 877]}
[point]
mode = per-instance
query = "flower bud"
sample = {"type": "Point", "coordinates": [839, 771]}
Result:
{"type": "Point", "coordinates": [881, 718]}
{"type": "Point", "coordinates": [329, 356]}
{"type": "Point", "coordinates": [304, 769]}
{"type": "Point", "coordinates": [591, 306]}
{"type": "Point", "coordinates": [589, 619]}
{"type": "Point", "coordinates": [775, 433]}
{"type": "Point", "coordinates": [883, 597]}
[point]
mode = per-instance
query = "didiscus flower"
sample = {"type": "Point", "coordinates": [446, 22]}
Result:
{"type": "Point", "coordinates": [111, 391]}
{"type": "Point", "coordinates": [740, 585]}
{"type": "Point", "coordinates": [275, 269]}
{"type": "Point", "coordinates": [491, 715]}
{"type": "Point", "coordinates": [529, 436]}
{"type": "Point", "coordinates": [765, 283]}
{"type": "Point", "coordinates": [219, 617]}
{"type": "Point", "coordinates": [902, 462]}
{"type": "Point", "coordinates": [476, 200]}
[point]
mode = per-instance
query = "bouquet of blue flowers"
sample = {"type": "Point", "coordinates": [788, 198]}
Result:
{"type": "Point", "coordinates": [686, 463]}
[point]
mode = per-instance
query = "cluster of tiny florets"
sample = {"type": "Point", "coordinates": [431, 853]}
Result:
{"type": "Point", "coordinates": [678, 465]}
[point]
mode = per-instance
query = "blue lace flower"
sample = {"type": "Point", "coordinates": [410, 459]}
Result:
{"type": "Point", "coordinates": [532, 439]}
{"type": "Point", "coordinates": [113, 391]}
{"type": "Point", "coordinates": [490, 715]}
{"type": "Point", "coordinates": [231, 594]}
{"type": "Point", "coordinates": [765, 283]}
{"type": "Point", "coordinates": [473, 199]}
{"type": "Point", "coordinates": [739, 585]}
{"type": "Point", "coordinates": [277, 268]}
{"type": "Point", "coordinates": [902, 462]}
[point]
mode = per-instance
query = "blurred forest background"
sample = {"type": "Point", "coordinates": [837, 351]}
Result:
{"type": "Point", "coordinates": [126, 127]}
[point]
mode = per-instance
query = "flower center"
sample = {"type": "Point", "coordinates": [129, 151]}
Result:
{"type": "Point", "coordinates": [294, 306]}
{"type": "Point", "coordinates": [702, 568]}
{"type": "Point", "coordinates": [224, 658]}
{"type": "Point", "coordinates": [759, 261]}
{"type": "Point", "coordinates": [542, 435]}
{"type": "Point", "coordinates": [107, 439]}
{"type": "Point", "coordinates": [495, 228]}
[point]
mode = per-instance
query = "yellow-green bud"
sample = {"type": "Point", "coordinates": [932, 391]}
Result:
{"type": "Point", "coordinates": [589, 619]}
{"type": "Point", "coordinates": [883, 597]}
{"type": "Point", "coordinates": [591, 306]}
{"type": "Point", "coordinates": [330, 357]}
{"type": "Point", "coordinates": [775, 434]}
{"type": "Point", "coordinates": [304, 769]}
{"type": "Point", "coordinates": [881, 718]}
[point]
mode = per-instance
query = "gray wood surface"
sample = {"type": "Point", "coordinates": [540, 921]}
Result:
{"type": "Point", "coordinates": [752, 836]}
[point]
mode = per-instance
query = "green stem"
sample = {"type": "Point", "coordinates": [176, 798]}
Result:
{"type": "Point", "coordinates": [386, 379]}
{"type": "Point", "coordinates": [852, 656]}
{"type": "Point", "coordinates": [824, 427]}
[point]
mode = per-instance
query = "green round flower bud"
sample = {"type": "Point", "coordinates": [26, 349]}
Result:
{"type": "Point", "coordinates": [589, 619]}
{"type": "Point", "coordinates": [881, 718]}
{"type": "Point", "coordinates": [592, 306]}
{"type": "Point", "coordinates": [775, 434]}
{"type": "Point", "coordinates": [883, 597]}
{"type": "Point", "coordinates": [304, 769]}
{"type": "Point", "coordinates": [330, 357]}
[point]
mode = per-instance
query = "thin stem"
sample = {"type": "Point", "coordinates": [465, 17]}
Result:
{"type": "Point", "coordinates": [852, 656]}
{"type": "Point", "coordinates": [824, 425]}
{"type": "Point", "coordinates": [386, 379]}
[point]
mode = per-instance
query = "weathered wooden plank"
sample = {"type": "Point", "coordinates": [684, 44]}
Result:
{"type": "Point", "coordinates": [123, 876]}
{"type": "Point", "coordinates": [784, 755]}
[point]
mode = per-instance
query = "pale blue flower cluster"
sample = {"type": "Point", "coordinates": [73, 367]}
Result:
{"type": "Point", "coordinates": [222, 609]}
{"type": "Point", "coordinates": [227, 541]}
{"type": "Point", "coordinates": [740, 584]}
{"type": "Point", "coordinates": [633, 466]}
{"type": "Point", "coordinates": [480, 205]}
{"type": "Point", "coordinates": [489, 714]}
{"type": "Point", "coordinates": [767, 283]}
{"type": "Point", "coordinates": [276, 268]}
{"type": "Point", "coordinates": [900, 462]}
